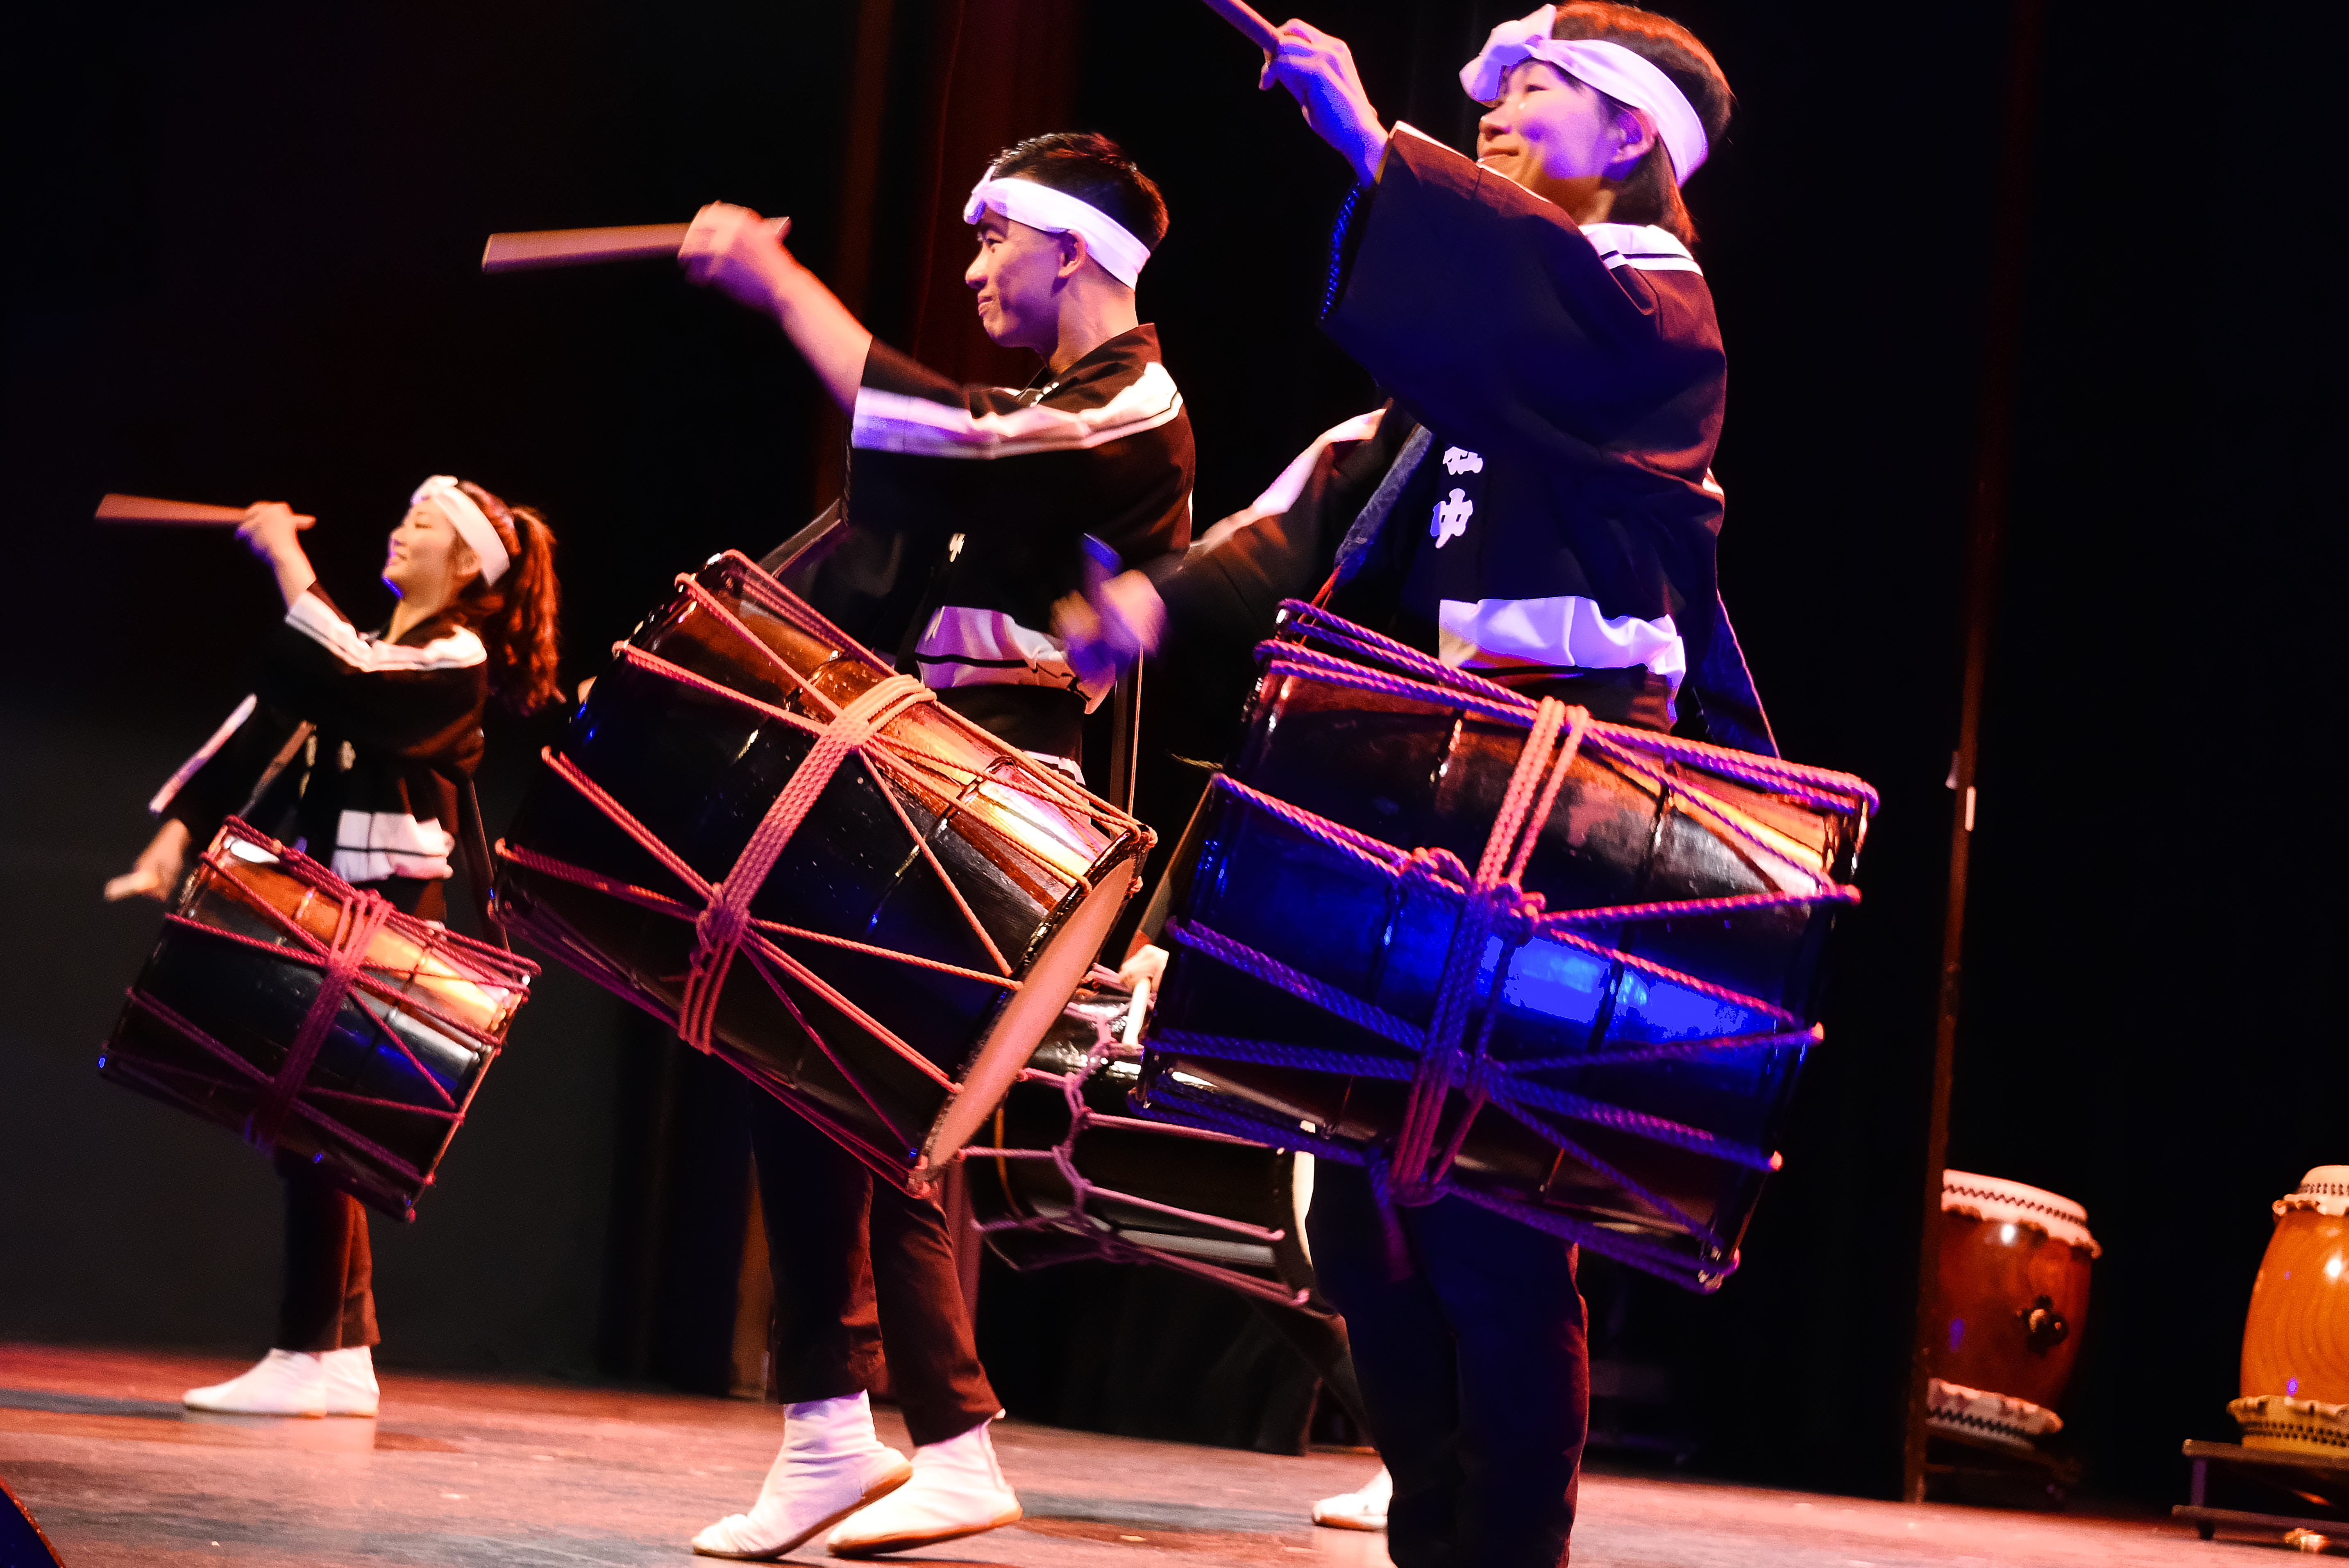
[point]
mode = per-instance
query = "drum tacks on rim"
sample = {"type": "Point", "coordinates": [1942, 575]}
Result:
{"type": "Point", "coordinates": [758, 832]}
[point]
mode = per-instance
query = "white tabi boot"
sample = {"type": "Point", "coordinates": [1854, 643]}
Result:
{"type": "Point", "coordinates": [831, 1465]}
{"type": "Point", "coordinates": [349, 1377]}
{"type": "Point", "coordinates": [285, 1383]}
{"type": "Point", "coordinates": [958, 1489]}
{"type": "Point", "coordinates": [1363, 1510]}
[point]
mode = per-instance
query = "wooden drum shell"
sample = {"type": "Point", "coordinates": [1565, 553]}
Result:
{"type": "Point", "coordinates": [2296, 1334]}
{"type": "Point", "coordinates": [698, 770]}
{"type": "Point", "coordinates": [1993, 1275]}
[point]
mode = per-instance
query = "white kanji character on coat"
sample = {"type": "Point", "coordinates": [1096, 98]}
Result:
{"type": "Point", "coordinates": [1461, 460]}
{"type": "Point", "coordinates": [1451, 519]}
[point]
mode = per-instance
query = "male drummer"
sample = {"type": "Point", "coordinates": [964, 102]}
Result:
{"type": "Point", "coordinates": [967, 517]}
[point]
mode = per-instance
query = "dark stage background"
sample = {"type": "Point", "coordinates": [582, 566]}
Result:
{"type": "Point", "coordinates": [243, 262]}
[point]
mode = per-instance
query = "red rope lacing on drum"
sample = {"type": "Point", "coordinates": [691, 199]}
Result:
{"type": "Point", "coordinates": [356, 925]}
{"type": "Point", "coordinates": [720, 911]}
{"type": "Point", "coordinates": [719, 928]}
{"type": "Point", "coordinates": [1494, 903]}
{"type": "Point", "coordinates": [1417, 1168]}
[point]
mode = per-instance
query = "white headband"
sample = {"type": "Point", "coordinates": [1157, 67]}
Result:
{"type": "Point", "coordinates": [1113, 245]}
{"type": "Point", "coordinates": [1621, 75]}
{"type": "Point", "coordinates": [471, 523]}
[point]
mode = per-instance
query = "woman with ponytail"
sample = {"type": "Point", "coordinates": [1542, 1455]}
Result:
{"type": "Point", "coordinates": [360, 749]}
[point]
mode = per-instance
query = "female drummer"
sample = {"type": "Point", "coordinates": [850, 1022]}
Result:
{"type": "Point", "coordinates": [1536, 505]}
{"type": "Point", "coordinates": [367, 741]}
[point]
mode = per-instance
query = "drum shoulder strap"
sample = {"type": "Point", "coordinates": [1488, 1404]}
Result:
{"type": "Point", "coordinates": [474, 850]}
{"type": "Point", "coordinates": [1362, 535]}
{"type": "Point", "coordinates": [777, 561]}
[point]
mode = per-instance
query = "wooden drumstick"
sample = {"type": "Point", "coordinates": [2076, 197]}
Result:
{"type": "Point", "coordinates": [112, 508]}
{"type": "Point", "coordinates": [534, 248]}
{"type": "Point", "coordinates": [1249, 20]}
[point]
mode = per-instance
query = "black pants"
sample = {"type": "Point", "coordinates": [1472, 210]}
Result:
{"type": "Point", "coordinates": [1475, 1368]}
{"type": "Point", "coordinates": [862, 1269]}
{"type": "Point", "coordinates": [329, 1300]}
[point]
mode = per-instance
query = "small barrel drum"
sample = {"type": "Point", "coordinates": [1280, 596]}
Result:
{"type": "Point", "coordinates": [1063, 1172]}
{"type": "Point", "coordinates": [2011, 1300]}
{"type": "Point", "coordinates": [760, 834]}
{"type": "Point", "coordinates": [1609, 1054]}
{"type": "Point", "coordinates": [2297, 1337]}
{"type": "Point", "coordinates": [283, 1004]}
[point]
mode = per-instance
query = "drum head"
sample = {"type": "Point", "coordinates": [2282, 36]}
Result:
{"type": "Point", "coordinates": [1033, 1010]}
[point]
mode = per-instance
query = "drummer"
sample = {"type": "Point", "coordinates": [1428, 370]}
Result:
{"type": "Point", "coordinates": [367, 741]}
{"type": "Point", "coordinates": [1536, 505]}
{"type": "Point", "coordinates": [968, 513]}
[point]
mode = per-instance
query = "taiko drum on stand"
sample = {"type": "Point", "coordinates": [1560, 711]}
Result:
{"type": "Point", "coordinates": [2295, 1387]}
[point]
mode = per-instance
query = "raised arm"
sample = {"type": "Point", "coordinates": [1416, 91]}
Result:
{"type": "Point", "coordinates": [1318, 69]}
{"type": "Point", "coordinates": [743, 253]}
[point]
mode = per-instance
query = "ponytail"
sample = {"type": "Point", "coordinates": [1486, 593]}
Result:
{"type": "Point", "coordinates": [516, 617]}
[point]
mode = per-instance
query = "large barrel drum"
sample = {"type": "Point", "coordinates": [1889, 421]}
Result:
{"type": "Point", "coordinates": [2297, 1337]}
{"type": "Point", "coordinates": [2010, 1306]}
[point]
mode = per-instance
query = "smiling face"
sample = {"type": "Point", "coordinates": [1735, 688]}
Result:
{"type": "Point", "coordinates": [1550, 128]}
{"type": "Point", "coordinates": [1019, 274]}
{"type": "Point", "coordinates": [425, 558]}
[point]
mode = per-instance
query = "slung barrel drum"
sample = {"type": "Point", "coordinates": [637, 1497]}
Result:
{"type": "Point", "coordinates": [283, 1004]}
{"type": "Point", "coordinates": [757, 832]}
{"type": "Point", "coordinates": [1636, 1020]}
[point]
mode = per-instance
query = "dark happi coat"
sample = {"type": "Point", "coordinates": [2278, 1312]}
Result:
{"type": "Point", "coordinates": [377, 788]}
{"type": "Point", "coordinates": [1538, 503]}
{"type": "Point", "coordinates": [965, 517]}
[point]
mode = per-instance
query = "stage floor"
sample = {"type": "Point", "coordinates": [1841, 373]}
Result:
{"type": "Point", "coordinates": [478, 1474]}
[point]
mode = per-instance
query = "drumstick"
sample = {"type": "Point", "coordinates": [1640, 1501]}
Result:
{"type": "Point", "coordinates": [112, 508]}
{"type": "Point", "coordinates": [532, 248]}
{"type": "Point", "coordinates": [1249, 20]}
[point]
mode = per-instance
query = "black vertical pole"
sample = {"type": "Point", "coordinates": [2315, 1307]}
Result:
{"type": "Point", "coordinates": [1992, 460]}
